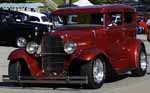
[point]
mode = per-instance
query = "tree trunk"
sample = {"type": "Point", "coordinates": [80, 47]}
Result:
{"type": "Point", "coordinates": [68, 2]}
{"type": "Point", "coordinates": [50, 3]}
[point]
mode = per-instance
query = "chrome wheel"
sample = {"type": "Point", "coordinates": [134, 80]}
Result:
{"type": "Point", "coordinates": [143, 61]}
{"type": "Point", "coordinates": [95, 70]}
{"type": "Point", "coordinates": [142, 64]}
{"type": "Point", "coordinates": [98, 71]}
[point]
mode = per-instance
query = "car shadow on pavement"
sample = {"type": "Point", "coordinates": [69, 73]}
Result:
{"type": "Point", "coordinates": [53, 86]}
{"type": "Point", "coordinates": [116, 78]}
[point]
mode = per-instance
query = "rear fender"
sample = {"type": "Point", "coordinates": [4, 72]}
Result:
{"type": "Point", "coordinates": [135, 47]}
{"type": "Point", "coordinates": [30, 60]}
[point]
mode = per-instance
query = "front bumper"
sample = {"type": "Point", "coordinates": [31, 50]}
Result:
{"type": "Point", "coordinates": [48, 80]}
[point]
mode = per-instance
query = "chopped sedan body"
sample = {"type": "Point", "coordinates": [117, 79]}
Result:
{"type": "Point", "coordinates": [89, 44]}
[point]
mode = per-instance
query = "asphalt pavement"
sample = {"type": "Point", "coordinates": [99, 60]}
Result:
{"type": "Point", "coordinates": [125, 84]}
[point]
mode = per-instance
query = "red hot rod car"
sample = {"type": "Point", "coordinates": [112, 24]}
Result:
{"type": "Point", "coordinates": [89, 45]}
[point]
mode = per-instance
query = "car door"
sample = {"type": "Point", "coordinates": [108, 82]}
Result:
{"type": "Point", "coordinates": [116, 38]}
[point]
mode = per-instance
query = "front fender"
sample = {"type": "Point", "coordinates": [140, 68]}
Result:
{"type": "Point", "coordinates": [90, 54]}
{"type": "Point", "coordinates": [30, 60]}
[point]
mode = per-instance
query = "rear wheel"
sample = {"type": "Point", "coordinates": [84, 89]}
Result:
{"type": "Point", "coordinates": [142, 64]}
{"type": "Point", "coordinates": [95, 71]}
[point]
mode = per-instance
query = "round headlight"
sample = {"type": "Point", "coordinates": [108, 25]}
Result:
{"type": "Point", "coordinates": [21, 42]}
{"type": "Point", "coordinates": [70, 47]}
{"type": "Point", "coordinates": [32, 47]}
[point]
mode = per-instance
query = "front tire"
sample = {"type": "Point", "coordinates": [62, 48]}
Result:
{"type": "Point", "coordinates": [95, 71]}
{"type": "Point", "coordinates": [17, 68]}
{"type": "Point", "coordinates": [142, 64]}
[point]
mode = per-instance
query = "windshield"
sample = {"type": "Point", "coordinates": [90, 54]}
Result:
{"type": "Point", "coordinates": [34, 19]}
{"type": "Point", "coordinates": [75, 19]}
{"type": "Point", "coordinates": [44, 19]}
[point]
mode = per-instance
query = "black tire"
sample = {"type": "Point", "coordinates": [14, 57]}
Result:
{"type": "Point", "coordinates": [88, 70]}
{"type": "Point", "coordinates": [142, 64]}
{"type": "Point", "coordinates": [17, 68]}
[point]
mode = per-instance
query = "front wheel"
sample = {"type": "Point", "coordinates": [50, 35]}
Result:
{"type": "Point", "coordinates": [142, 64]}
{"type": "Point", "coordinates": [17, 68]}
{"type": "Point", "coordinates": [95, 71]}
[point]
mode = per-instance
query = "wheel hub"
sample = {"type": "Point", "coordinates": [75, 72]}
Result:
{"type": "Point", "coordinates": [98, 71]}
{"type": "Point", "coordinates": [143, 62]}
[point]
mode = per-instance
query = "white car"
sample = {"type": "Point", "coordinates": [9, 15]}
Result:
{"type": "Point", "coordinates": [37, 17]}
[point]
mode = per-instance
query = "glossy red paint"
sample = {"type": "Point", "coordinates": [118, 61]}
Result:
{"type": "Point", "coordinates": [94, 9]}
{"type": "Point", "coordinates": [117, 43]}
{"type": "Point", "coordinates": [29, 59]}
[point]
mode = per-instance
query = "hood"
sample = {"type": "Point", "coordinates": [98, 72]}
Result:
{"type": "Point", "coordinates": [81, 34]}
{"type": "Point", "coordinates": [78, 27]}
{"type": "Point", "coordinates": [75, 31]}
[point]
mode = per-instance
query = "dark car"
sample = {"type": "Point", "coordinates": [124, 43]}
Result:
{"type": "Point", "coordinates": [92, 44]}
{"type": "Point", "coordinates": [16, 29]}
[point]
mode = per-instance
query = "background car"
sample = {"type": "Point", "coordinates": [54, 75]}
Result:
{"type": "Point", "coordinates": [36, 17]}
{"type": "Point", "coordinates": [16, 29]}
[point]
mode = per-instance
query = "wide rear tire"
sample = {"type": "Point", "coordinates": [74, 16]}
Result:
{"type": "Point", "coordinates": [142, 64]}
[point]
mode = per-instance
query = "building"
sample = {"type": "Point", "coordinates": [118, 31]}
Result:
{"type": "Point", "coordinates": [21, 6]}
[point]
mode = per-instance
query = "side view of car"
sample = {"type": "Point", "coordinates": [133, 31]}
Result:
{"type": "Point", "coordinates": [92, 47]}
{"type": "Point", "coordinates": [16, 29]}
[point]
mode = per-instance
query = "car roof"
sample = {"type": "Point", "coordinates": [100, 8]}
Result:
{"type": "Point", "coordinates": [12, 12]}
{"type": "Point", "coordinates": [94, 9]}
{"type": "Point", "coordinates": [33, 13]}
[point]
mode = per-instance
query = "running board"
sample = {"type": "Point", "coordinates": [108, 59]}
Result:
{"type": "Point", "coordinates": [48, 80]}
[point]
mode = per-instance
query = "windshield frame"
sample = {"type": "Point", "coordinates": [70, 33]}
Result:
{"type": "Point", "coordinates": [100, 16]}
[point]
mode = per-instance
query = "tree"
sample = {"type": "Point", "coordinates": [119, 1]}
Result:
{"type": "Point", "coordinates": [67, 1]}
{"type": "Point", "coordinates": [50, 3]}
{"type": "Point", "coordinates": [12, 1]}
{"type": "Point", "coordinates": [18, 1]}
{"type": "Point", "coordinates": [100, 1]}
{"type": "Point", "coordinates": [2, 1]}
{"type": "Point", "coordinates": [146, 2]}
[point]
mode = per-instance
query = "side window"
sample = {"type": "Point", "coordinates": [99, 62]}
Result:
{"type": "Point", "coordinates": [32, 18]}
{"type": "Point", "coordinates": [97, 19]}
{"type": "Point", "coordinates": [115, 18]}
{"type": "Point", "coordinates": [16, 18]}
{"type": "Point", "coordinates": [128, 17]}
{"type": "Point", "coordinates": [5, 18]}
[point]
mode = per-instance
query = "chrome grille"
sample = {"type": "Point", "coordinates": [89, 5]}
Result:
{"type": "Point", "coordinates": [53, 54]}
